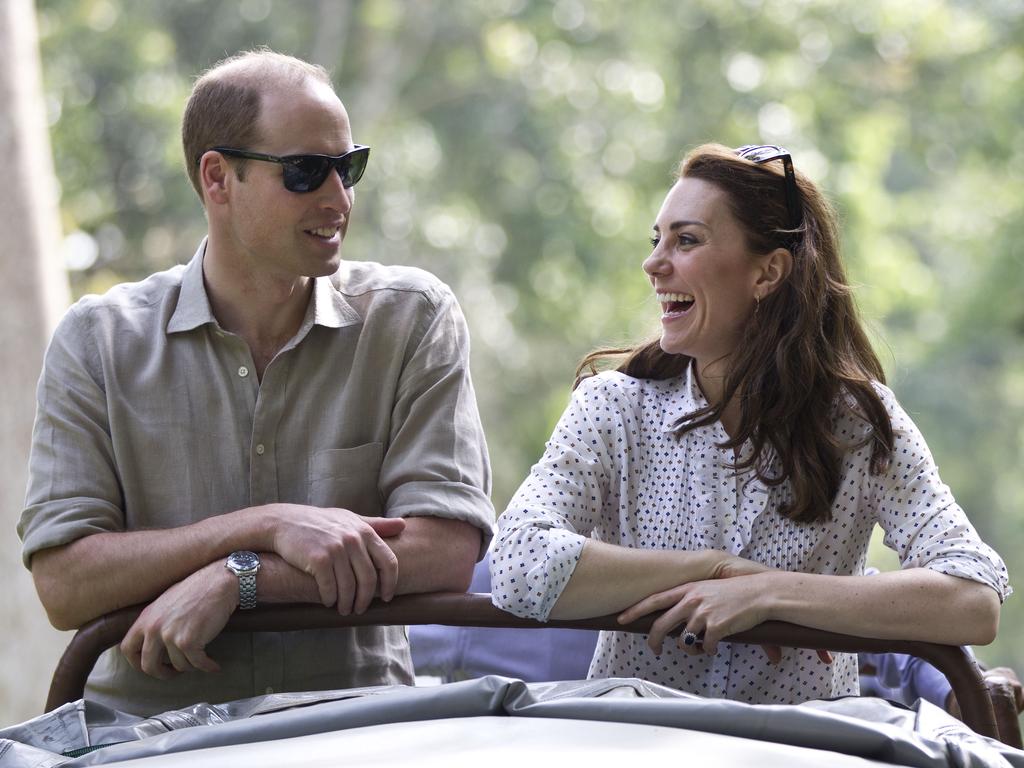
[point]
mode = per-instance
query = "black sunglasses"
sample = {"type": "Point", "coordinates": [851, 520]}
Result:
{"type": "Point", "coordinates": [305, 173]}
{"type": "Point", "coordinates": [765, 153]}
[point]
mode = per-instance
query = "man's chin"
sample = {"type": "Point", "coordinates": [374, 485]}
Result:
{"type": "Point", "coordinates": [329, 267]}
{"type": "Point", "coordinates": [326, 262]}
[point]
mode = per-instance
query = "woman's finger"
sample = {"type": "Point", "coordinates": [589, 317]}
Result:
{"type": "Point", "coordinates": [691, 638]}
{"type": "Point", "coordinates": [656, 602]}
{"type": "Point", "coordinates": [676, 616]}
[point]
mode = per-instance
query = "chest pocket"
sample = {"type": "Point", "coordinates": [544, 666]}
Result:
{"type": "Point", "coordinates": [348, 478]}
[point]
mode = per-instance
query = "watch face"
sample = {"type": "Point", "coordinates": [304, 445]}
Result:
{"type": "Point", "coordinates": [243, 561]}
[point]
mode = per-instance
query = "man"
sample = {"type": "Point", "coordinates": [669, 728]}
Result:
{"type": "Point", "coordinates": [903, 678]}
{"type": "Point", "coordinates": [265, 424]}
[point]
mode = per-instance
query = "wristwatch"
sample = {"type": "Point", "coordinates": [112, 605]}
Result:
{"type": "Point", "coordinates": [244, 565]}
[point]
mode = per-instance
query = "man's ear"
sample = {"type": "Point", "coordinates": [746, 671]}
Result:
{"type": "Point", "coordinates": [775, 268]}
{"type": "Point", "coordinates": [213, 177]}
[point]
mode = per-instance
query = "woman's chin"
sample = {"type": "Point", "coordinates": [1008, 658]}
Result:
{"type": "Point", "coordinates": [673, 346]}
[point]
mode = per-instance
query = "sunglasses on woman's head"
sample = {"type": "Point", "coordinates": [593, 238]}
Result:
{"type": "Point", "coordinates": [765, 153]}
{"type": "Point", "coordinates": [306, 173]}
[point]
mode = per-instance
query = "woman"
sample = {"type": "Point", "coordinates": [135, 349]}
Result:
{"type": "Point", "coordinates": [732, 471]}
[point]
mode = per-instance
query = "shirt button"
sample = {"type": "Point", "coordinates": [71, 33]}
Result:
{"type": "Point", "coordinates": [260, 450]}
{"type": "Point", "coordinates": [243, 371]}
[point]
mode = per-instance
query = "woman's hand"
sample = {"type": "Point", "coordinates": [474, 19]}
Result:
{"type": "Point", "coordinates": [681, 604]}
{"type": "Point", "coordinates": [711, 610]}
{"type": "Point", "coordinates": [733, 565]}
{"type": "Point", "coordinates": [714, 609]}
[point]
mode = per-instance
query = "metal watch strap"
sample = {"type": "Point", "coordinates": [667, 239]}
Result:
{"type": "Point", "coordinates": [246, 591]}
{"type": "Point", "coordinates": [245, 565]}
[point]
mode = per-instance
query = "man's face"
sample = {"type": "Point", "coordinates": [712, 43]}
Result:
{"type": "Point", "coordinates": [292, 234]}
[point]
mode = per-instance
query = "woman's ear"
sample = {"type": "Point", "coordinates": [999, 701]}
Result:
{"type": "Point", "coordinates": [775, 268]}
{"type": "Point", "coordinates": [213, 177]}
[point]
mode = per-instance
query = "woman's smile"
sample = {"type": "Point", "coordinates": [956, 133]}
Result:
{"type": "Point", "coordinates": [702, 271]}
{"type": "Point", "coordinates": [674, 305]}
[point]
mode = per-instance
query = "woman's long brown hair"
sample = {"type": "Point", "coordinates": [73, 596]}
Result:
{"type": "Point", "coordinates": [806, 353]}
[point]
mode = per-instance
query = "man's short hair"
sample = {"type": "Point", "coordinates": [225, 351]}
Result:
{"type": "Point", "coordinates": [224, 107]}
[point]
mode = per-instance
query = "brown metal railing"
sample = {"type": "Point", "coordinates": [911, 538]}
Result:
{"type": "Point", "coordinates": [476, 610]}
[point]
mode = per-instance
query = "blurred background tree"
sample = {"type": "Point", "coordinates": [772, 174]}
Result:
{"type": "Point", "coordinates": [33, 295]}
{"type": "Point", "coordinates": [521, 150]}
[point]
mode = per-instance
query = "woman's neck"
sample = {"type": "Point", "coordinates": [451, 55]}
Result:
{"type": "Point", "coordinates": [711, 379]}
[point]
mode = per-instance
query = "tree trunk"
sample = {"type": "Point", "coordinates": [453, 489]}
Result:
{"type": "Point", "coordinates": [33, 293]}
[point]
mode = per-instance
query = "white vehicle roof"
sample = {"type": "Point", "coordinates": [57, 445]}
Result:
{"type": "Point", "coordinates": [497, 721]}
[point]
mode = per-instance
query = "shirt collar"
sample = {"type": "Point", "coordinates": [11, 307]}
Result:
{"type": "Point", "coordinates": [327, 306]}
{"type": "Point", "coordinates": [685, 398]}
{"type": "Point", "coordinates": [193, 308]}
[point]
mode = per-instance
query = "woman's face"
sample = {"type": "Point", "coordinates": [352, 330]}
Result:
{"type": "Point", "coordinates": [703, 273]}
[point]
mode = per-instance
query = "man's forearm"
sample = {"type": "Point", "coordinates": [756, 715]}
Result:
{"type": "Point", "coordinates": [435, 555]}
{"type": "Point", "coordinates": [105, 571]}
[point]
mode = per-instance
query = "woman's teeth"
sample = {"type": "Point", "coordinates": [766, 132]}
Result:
{"type": "Point", "coordinates": [675, 303]}
{"type": "Point", "coordinates": [668, 298]}
{"type": "Point", "coordinates": [327, 232]}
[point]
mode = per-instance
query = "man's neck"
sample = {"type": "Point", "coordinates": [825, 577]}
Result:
{"type": "Point", "coordinates": [265, 309]}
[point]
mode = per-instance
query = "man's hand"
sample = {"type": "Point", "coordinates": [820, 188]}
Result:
{"type": "Point", "coordinates": [171, 634]}
{"type": "Point", "coordinates": [1005, 674]}
{"type": "Point", "coordinates": [344, 552]}
{"type": "Point", "coordinates": [996, 675]}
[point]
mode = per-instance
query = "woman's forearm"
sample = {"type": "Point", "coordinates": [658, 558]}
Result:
{"type": "Point", "coordinates": [610, 578]}
{"type": "Point", "coordinates": [912, 604]}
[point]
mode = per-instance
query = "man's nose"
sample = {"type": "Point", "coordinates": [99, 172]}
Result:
{"type": "Point", "coordinates": [334, 194]}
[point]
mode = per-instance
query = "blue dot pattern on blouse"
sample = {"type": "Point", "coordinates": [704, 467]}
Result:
{"type": "Point", "coordinates": [614, 470]}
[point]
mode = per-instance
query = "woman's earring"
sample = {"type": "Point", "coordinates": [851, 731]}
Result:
{"type": "Point", "coordinates": [757, 302]}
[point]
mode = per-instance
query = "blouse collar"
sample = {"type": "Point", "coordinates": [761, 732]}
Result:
{"type": "Point", "coordinates": [684, 397]}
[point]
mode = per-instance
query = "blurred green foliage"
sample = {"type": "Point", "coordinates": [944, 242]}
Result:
{"type": "Point", "coordinates": [521, 150]}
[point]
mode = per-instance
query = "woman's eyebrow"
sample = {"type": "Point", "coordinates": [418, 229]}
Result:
{"type": "Point", "coordinates": [681, 223]}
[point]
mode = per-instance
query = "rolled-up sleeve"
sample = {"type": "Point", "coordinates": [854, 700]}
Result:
{"type": "Point", "coordinates": [542, 532]}
{"type": "Point", "coordinates": [922, 521]}
{"type": "Point", "coordinates": [436, 464]}
{"type": "Point", "coordinates": [73, 489]}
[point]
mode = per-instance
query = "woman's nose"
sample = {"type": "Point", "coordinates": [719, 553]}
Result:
{"type": "Point", "coordinates": [656, 264]}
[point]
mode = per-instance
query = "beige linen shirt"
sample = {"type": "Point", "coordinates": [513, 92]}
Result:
{"type": "Point", "coordinates": [151, 416]}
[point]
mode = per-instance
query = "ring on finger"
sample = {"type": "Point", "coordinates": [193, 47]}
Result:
{"type": "Point", "coordinates": [689, 638]}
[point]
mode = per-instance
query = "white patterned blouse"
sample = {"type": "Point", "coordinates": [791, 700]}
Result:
{"type": "Point", "coordinates": [616, 471]}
